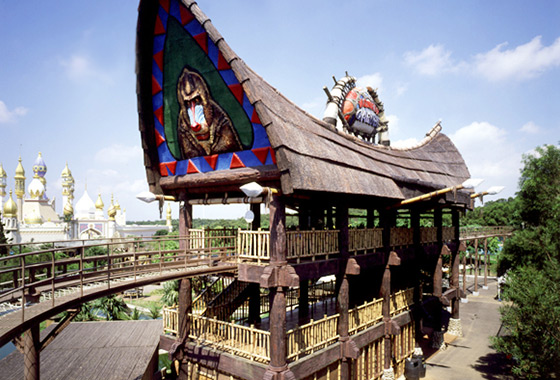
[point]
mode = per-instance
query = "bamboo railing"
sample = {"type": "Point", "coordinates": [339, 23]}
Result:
{"type": "Point", "coordinates": [300, 341]}
{"type": "Point", "coordinates": [365, 316]}
{"type": "Point", "coordinates": [247, 342]}
{"type": "Point", "coordinates": [253, 246]}
{"type": "Point", "coordinates": [311, 244]}
{"type": "Point", "coordinates": [365, 239]}
{"type": "Point", "coordinates": [311, 337]}
{"type": "Point", "coordinates": [401, 301]}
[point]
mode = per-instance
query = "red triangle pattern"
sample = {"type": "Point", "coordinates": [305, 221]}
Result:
{"type": "Point", "coordinates": [212, 160]}
{"type": "Point", "coordinates": [159, 138]}
{"type": "Point", "coordinates": [167, 168]}
{"type": "Point", "coordinates": [255, 117]}
{"type": "Point", "coordinates": [159, 114]}
{"type": "Point", "coordinates": [237, 91]}
{"type": "Point", "coordinates": [273, 156]}
{"type": "Point", "coordinates": [236, 162]}
{"type": "Point", "coordinates": [261, 153]}
{"type": "Point", "coordinates": [186, 16]}
{"type": "Point", "coordinates": [191, 168]}
{"type": "Point", "coordinates": [202, 40]}
{"type": "Point", "coordinates": [222, 63]}
{"type": "Point", "coordinates": [155, 86]}
{"type": "Point", "coordinates": [165, 5]}
{"type": "Point", "coordinates": [158, 58]}
{"type": "Point", "coordinates": [159, 29]}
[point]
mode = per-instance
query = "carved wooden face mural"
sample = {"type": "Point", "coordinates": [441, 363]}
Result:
{"type": "Point", "coordinates": [202, 118]}
{"type": "Point", "coordinates": [203, 126]}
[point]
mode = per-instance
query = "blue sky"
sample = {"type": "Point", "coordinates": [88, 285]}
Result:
{"type": "Point", "coordinates": [489, 70]}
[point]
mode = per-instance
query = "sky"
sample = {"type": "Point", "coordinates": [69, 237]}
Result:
{"type": "Point", "coordinates": [489, 70]}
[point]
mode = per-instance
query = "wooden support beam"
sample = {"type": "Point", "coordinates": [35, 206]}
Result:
{"type": "Point", "coordinates": [278, 276]}
{"type": "Point", "coordinates": [58, 328]}
{"type": "Point", "coordinates": [31, 361]}
{"type": "Point", "coordinates": [475, 291]}
{"type": "Point", "coordinates": [455, 259]}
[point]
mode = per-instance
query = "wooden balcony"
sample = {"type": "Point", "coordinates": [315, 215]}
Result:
{"type": "Point", "coordinates": [253, 343]}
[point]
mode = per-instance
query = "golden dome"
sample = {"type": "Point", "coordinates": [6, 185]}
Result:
{"type": "Point", "coordinates": [112, 210]}
{"type": "Point", "coordinates": [34, 219]}
{"type": "Point", "coordinates": [2, 172]}
{"type": "Point", "coordinates": [20, 173]}
{"type": "Point", "coordinates": [66, 171]}
{"type": "Point", "coordinates": [10, 207]}
{"type": "Point", "coordinates": [99, 203]}
{"type": "Point", "coordinates": [68, 209]}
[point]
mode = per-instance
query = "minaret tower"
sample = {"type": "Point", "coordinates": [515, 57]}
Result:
{"type": "Point", "coordinates": [20, 189]}
{"type": "Point", "coordinates": [9, 218]}
{"type": "Point", "coordinates": [3, 184]}
{"type": "Point", "coordinates": [67, 186]}
{"type": "Point", "coordinates": [39, 171]}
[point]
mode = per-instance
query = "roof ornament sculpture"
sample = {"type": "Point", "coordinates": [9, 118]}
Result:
{"type": "Point", "coordinates": [356, 110]}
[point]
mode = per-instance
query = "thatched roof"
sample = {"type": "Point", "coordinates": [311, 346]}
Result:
{"type": "Point", "coordinates": [311, 155]}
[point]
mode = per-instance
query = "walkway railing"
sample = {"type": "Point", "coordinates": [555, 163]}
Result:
{"type": "Point", "coordinates": [253, 343]}
{"type": "Point", "coordinates": [468, 233]}
{"type": "Point", "coordinates": [47, 273]}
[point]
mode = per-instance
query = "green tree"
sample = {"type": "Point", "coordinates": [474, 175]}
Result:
{"type": "Point", "coordinates": [170, 295]}
{"type": "Point", "coordinates": [532, 256]}
{"type": "Point", "coordinates": [3, 239]}
{"type": "Point", "coordinates": [155, 311]}
{"type": "Point", "coordinates": [113, 307]}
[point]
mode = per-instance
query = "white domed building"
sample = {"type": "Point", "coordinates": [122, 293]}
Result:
{"type": "Point", "coordinates": [32, 217]}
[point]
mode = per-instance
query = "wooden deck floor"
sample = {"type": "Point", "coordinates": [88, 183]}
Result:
{"type": "Point", "coordinates": [94, 350]}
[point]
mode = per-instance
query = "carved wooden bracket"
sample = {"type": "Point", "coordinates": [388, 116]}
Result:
{"type": "Point", "coordinates": [284, 276]}
{"type": "Point", "coordinates": [283, 373]}
{"type": "Point", "coordinates": [394, 259]}
{"type": "Point", "coordinates": [391, 327]}
{"type": "Point", "coordinates": [445, 251]}
{"type": "Point", "coordinates": [352, 267]}
{"type": "Point", "coordinates": [349, 349]}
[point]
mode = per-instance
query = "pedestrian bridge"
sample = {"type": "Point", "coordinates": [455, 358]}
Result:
{"type": "Point", "coordinates": [41, 280]}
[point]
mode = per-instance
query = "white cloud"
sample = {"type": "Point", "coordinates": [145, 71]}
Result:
{"type": "Point", "coordinates": [530, 128]}
{"type": "Point", "coordinates": [119, 154]}
{"type": "Point", "coordinates": [80, 68]}
{"type": "Point", "coordinates": [374, 81]}
{"type": "Point", "coordinates": [407, 143]}
{"type": "Point", "coordinates": [489, 154]}
{"type": "Point", "coordinates": [9, 116]}
{"type": "Point", "coordinates": [523, 62]}
{"type": "Point", "coordinates": [431, 61]}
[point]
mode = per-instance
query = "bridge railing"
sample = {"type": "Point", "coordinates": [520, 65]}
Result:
{"type": "Point", "coordinates": [485, 231]}
{"type": "Point", "coordinates": [41, 274]}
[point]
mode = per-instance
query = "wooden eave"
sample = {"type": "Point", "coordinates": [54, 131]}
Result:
{"type": "Point", "coordinates": [311, 155]}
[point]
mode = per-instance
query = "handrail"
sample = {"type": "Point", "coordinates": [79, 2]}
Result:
{"type": "Point", "coordinates": [28, 275]}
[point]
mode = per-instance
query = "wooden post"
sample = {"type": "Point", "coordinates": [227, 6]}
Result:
{"type": "Point", "coordinates": [31, 341]}
{"type": "Point", "coordinates": [343, 289]}
{"type": "Point", "coordinates": [278, 367]}
{"type": "Point", "coordinates": [475, 292]}
{"type": "Point", "coordinates": [185, 224]}
{"type": "Point", "coordinates": [185, 308]}
{"type": "Point", "coordinates": [370, 218]}
{"type": "Point", "coordinates": [254, 303]}
{"type": "Point", "coordinates": [438, 271]}
{"type": "Point", "coordinates": [303, 307]}
{"type": "Point", "coordinates": [418, 253]}
{"type": "Point", "coordinates": [485, 263]}
{"type": "Point", "coordinates": [455, 258]}
{"type": "Point", "coordinates": [387, 221]}
{"type": "Point", "coordinates": [256, 208]}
